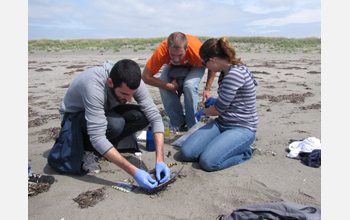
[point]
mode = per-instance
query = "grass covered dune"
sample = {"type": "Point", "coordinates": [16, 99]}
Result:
{"type": "Point", "coordinates": [247, 44]}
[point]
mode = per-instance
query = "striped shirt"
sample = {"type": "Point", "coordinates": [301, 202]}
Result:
{"type": "Point", "coordinates": [236, 98]}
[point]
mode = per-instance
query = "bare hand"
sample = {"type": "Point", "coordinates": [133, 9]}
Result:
{"type": "Point", "coordinates": [206, 95]}
{"type": "Point", "coordinates": [174, 86]}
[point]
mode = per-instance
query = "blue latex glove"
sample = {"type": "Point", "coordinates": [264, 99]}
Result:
{"type": "Point", "coordinates": [199, 114]}
{"type": "Point", "coordinates": [161, 167]}
{"type": "Point", "coordinates": [210, 101]}
{"type": "Point", "coordinates": [145, 180]}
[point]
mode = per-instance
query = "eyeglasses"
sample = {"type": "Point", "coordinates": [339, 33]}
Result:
{"type": "Point", "coordinates": [204, 63]}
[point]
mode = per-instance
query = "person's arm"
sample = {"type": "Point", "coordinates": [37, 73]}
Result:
{"type": "Point", "coordinates": [142, 177]}
{"type": "Point", "coordinates": [115, 157]}
{"type": "Point", "coordinates": [211, 111]}
{"type": "Point", "coordinates": [159, 145]}
{"type": "Point", "coordinates": [161, 167]}
{"type": "Point", "coordinates": [148, 78]}
{"type": "Point", "coordinates": [210, 79]}
{"type": "Point", "coordinates": [148, 107]}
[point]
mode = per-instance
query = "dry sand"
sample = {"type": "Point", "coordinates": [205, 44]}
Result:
{"type": "Point", "coordinates": [288, 106]}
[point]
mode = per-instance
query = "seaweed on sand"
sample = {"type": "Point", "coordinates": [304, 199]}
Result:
{"type": "Point", "coordinates": [36, 188]}
{"type": "Point", "coordinates": [90, 198]}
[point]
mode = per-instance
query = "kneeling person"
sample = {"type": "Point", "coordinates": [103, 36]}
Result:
{"type": "Point", "coordinates": [99, 95]}
{"type": "Point", "coordinates": [226, 141]}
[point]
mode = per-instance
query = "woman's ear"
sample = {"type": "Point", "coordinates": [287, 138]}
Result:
{"type": "Point", "coordinates": [110, 83]}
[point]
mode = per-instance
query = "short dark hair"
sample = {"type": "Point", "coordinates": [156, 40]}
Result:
{"type": "Point", "coordinates": [126, 71]}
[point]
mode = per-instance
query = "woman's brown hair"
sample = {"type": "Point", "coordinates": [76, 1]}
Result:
{"type": "Point", "coordinates": [219, 48]}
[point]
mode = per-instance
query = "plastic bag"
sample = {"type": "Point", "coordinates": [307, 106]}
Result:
{"type": "Point", "coordinates": [182, 139]}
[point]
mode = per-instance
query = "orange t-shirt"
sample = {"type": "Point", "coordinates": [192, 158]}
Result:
{"type": "Point", "coordinates": [161, 55]}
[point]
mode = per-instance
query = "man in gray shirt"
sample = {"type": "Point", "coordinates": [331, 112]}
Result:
{"type": "Point", "coordinates": [101, 94]}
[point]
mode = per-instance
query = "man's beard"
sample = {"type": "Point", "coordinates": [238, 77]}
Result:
{"type": "Point", "coordinates": [119, 100]}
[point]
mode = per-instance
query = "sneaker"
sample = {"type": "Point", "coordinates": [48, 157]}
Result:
{"type": "Point", "coordinates": [178, 129]}
{"type": "Point", "coordinates": [89, 162]}
{"type": "Point", "coordinates": [174, 129]}
{"type": "Point", "coordinates": [38, 178]}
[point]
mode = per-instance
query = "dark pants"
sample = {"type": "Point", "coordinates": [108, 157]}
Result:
{"type": "Point", "coordinates": [122, 121]}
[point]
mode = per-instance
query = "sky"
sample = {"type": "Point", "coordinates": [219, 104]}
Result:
{"type": "Point", "coordinates": [72, 19]}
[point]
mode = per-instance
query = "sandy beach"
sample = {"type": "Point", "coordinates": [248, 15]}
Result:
{"type": "Point", "coordinates": [288, 106]}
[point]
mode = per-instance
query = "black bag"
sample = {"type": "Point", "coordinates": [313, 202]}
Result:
{"type": "Point", "coordinates": [179, 73]}
{"type": "Point", "coordinates": [311, 159]}
{"type": "Point", "coordinates": [66, 155]}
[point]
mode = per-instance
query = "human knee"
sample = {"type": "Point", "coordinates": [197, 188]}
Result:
{"type": "Point", "coordinates": [192, 82]}
{"type": "Point", "coordinates": [164, 75]}
{"type": "Point", "coordinates": [208, 165]}
{"type": "Point", "coordinates": [115, 127]}
{"type": "Point", "coordinates": [186, 154]}
{"type": "Point", "coordinates": [138, 118]}
{"type": "Point", "coordinates": [190, 86]}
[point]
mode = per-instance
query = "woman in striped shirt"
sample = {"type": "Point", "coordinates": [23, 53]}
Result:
{"type": "Point", "coordinates": [226, 141]}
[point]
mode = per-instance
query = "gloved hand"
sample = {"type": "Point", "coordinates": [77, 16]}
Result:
{"type": "Point", "coordinates": [210, 101]}
{"type": "Point", "coordinates": [161, 167]}
{"type": "Point", "coordinates": [145, 180]}
{"type": "Point", "coordinates": [199, 114]}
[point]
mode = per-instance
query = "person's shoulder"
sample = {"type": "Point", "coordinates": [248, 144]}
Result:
{"type": "Point", "coordinates": [192, 38]}
{"type": "Point", "coordinates": [95, 76]}
{"type": "Point", "coordinates": [161, 50]}
{"type": "Point", "coordinates": [163, 45]}
{"type": "Point", "coordinates": [194, 43]}
{"type": "Point", "coordinates": [237, 70]}
{"type": "Point", "coordinates": [239, 67]}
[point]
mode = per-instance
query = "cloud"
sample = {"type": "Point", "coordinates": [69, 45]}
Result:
{"type": "Point", "coordinates": [302, 17]}
{"type": "Point", "coordinates": [62, 14]}
{"type": "Point", "coordinates": [259, 6]}
{"type": "Point", "coordinates": [159, 18]}
{"type": "Point", "coordinates": [267, 6]}
{"type": "Point", "coordinates": [70, 24]}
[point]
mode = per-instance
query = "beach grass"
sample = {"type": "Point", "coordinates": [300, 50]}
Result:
{"type": "Point", "coordinates": [247, 44]}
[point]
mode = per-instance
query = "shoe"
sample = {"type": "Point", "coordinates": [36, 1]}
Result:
{"type": "Point", "coordinates": [38, 178]}
{"type": "Point", "coordinates": [89, 162]}
{"type": "Point", "coordinates": [174, 129]}
{"type": "Point", "coordinates": [178, 129]}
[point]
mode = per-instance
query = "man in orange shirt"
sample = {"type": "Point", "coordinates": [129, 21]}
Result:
{"type": "Point", "coordinates": [182, 74]}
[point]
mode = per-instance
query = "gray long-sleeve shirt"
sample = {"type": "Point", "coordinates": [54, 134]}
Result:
{"type": "Point", "coordinates": [89, 92]}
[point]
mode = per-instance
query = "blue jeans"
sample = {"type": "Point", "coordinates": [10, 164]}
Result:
{"type": "Point", "coordinates": [122, 121]}
{"type": "Point", "coordinates": [29, 172]}
{"type": "Point", "coordinates": [217, 147]}
{"type": "Point", "coordinates": [172, 103]}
